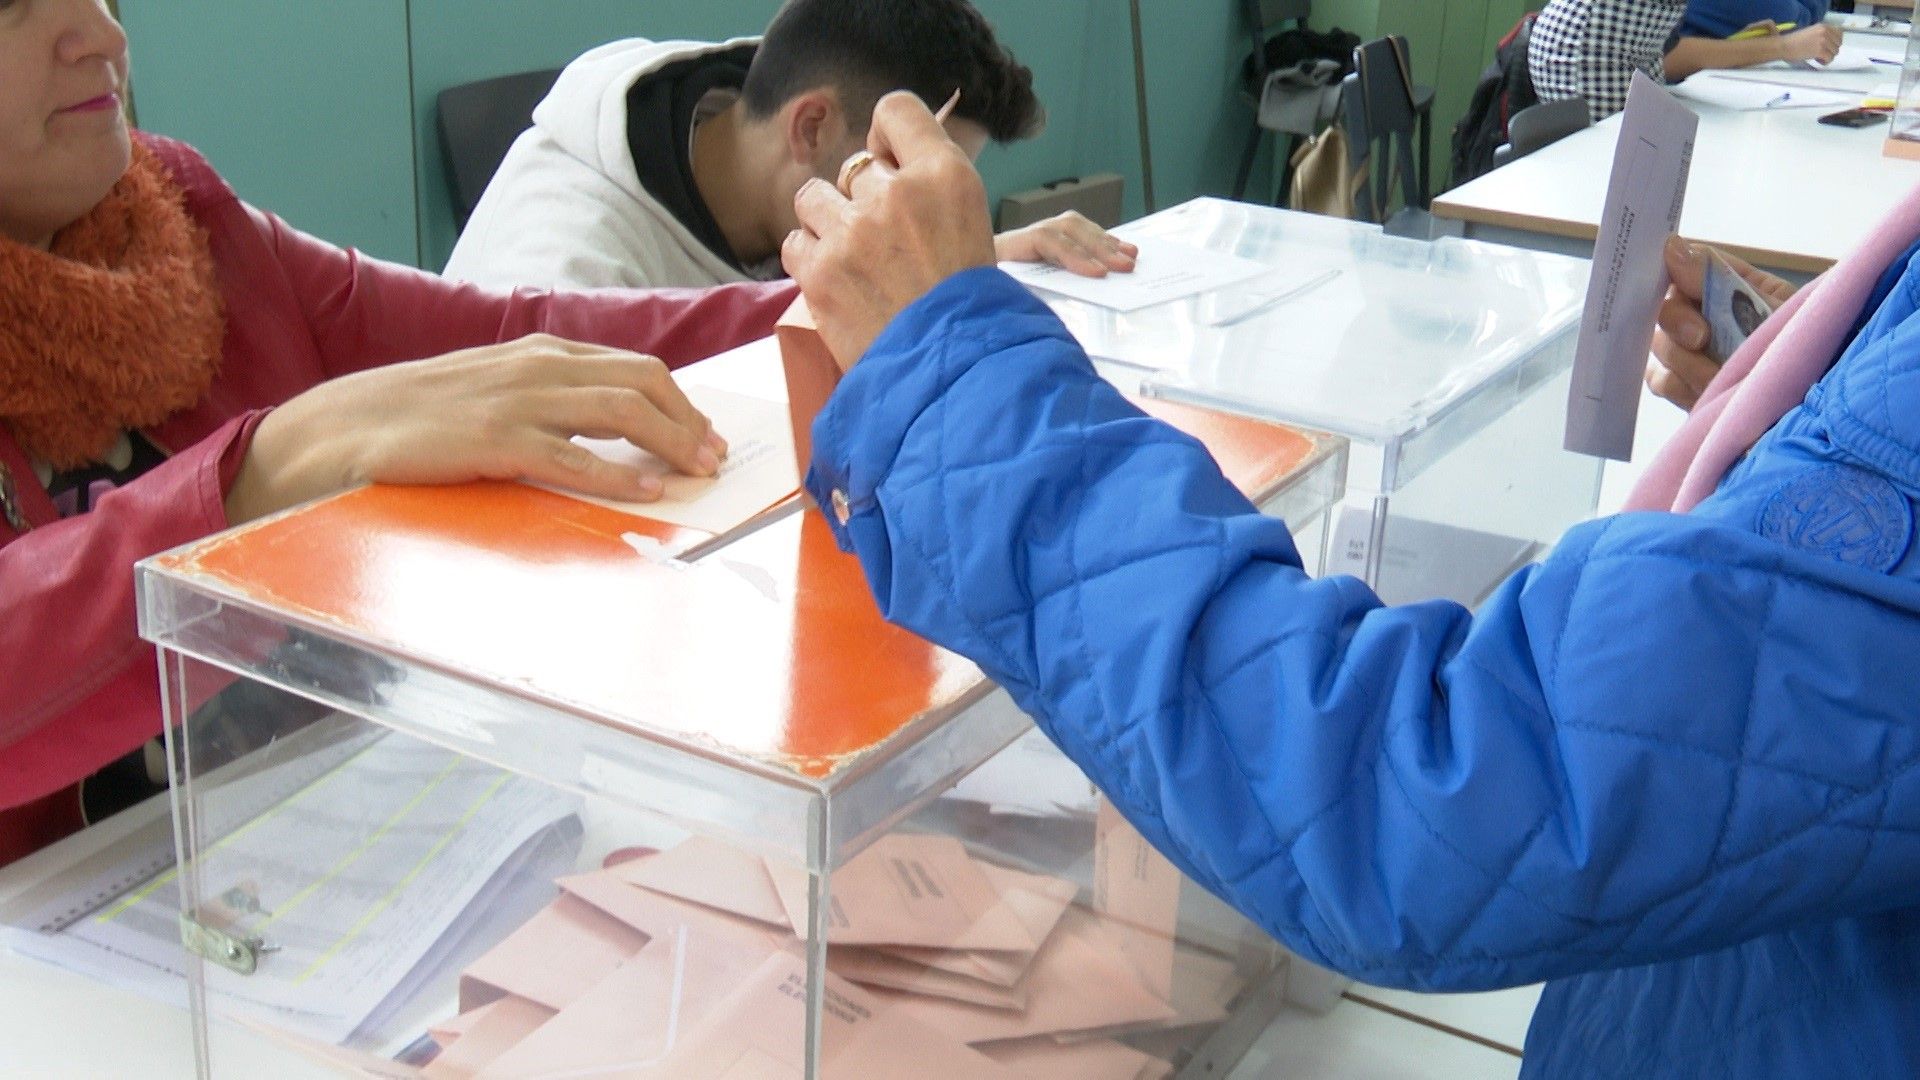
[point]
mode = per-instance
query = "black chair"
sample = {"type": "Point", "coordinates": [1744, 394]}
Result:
{"type": "Point", "coordinates": [478, 123]}
{"type": "Point", "coordinates": [1264, 19]}
{"type": "Point", "coordinates": [1383, 110]}
{"type": "Point", "coordinates": [1539, 126]}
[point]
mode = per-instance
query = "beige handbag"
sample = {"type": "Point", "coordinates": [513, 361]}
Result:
{"type": "Point", "coordinates": [1323, 182]}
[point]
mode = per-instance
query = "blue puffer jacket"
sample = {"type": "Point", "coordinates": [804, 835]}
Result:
{"type": "Point", "coordinates": [1724, 18]}
{"type": "Point", "coordinates": [1675, 768]}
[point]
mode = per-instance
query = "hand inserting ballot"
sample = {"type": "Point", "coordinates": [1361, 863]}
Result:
{"type": "Point", "coordinates": [917, 215]}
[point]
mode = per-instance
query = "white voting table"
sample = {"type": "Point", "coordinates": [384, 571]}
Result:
{"type": "Point", "coordinates": [1774, 185]}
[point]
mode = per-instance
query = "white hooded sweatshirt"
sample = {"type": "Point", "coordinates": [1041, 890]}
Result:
{"type": "Point", "coordinates": [567, 209]}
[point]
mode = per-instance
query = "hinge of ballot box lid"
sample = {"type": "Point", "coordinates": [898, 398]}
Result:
{"type": "Point", "coordinates": [236, 954]}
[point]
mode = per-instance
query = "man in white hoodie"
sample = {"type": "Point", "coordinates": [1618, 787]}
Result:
{"type": "Point", "coordinates": [655, 164]}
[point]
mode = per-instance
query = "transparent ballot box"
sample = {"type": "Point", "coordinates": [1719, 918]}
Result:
{"type": "Point", "coordinates": [488, 781]}
{"type": "Point", "coordinates": [1446, 365]}
{"type": "Point", "coordinates": [1903, 134]}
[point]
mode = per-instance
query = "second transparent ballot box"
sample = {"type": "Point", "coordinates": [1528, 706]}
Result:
{"type": "Point", "coordinates": [1446, 365]}
{"type": "Point", "coordinates": [533, 786]}
{"type": "Point", "coordinates": [1903, 134]}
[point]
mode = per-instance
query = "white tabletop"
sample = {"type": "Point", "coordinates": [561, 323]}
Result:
{"type": "Point", "coordinates": [57, 1025]}
{"type": "Point", "coordinates": [1359, 1041]}
{"type": "Point", "coordinates": [1775, 186]}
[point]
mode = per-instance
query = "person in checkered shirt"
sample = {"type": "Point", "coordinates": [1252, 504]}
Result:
{"type": "Point", "coordinates": [1591, 48]}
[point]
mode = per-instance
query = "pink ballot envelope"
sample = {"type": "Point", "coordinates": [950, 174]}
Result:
{"type": "Point", "coordinates": [446, 1031]}
{"type": "Point", "coordinates": [555, 957]}
{"type": "Point", "coordinates": [450, 1030]}
{"type": "Point", "coordinates": [756, 1034]}
{"type": "Point", "coordinates": [909, 889]}
{"type": "Point", "coordinates": [812, 373]}
{"type": "Point", "coordinates": [1096, 1059]}
{"type": "Point", "coordinates": [1076, 984]}
{"type": "Point", "coordinates": [1037, 901]}
{"type": "Point", "coordinates": [708, 872]}
{"type": "Point", "coordinates": [1137, 887]}
{"type": "Point", "coordinates": [757, 474]}
{"type": "Point", "coordinates": [1203, 986]}
{"type": "Point", "coordinates": [653, 914]}
{"type": "Point", "coordinates": [486, 1033]}
{"type": "Point", "coordinates": [637, 1016]}
{"type": "Point", "coordinates": [340, 1060]}
{"type": "Point", "coordinates": [870, 967]}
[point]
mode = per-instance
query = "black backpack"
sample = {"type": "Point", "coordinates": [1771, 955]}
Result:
{"type": "Point", "coordinates": [1505, 88]}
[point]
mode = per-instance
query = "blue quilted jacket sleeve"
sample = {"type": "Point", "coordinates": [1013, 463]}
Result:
{"type": "Point", "coordinates": [1669, 737]}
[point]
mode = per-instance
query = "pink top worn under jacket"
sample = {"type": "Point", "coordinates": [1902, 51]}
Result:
{"type": "Point", "coordinates": [1773, 371]}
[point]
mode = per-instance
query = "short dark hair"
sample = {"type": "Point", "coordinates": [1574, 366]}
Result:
{"type": "Point", "coordinates": [866, 49]}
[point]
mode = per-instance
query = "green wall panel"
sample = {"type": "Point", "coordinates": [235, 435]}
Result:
{"type": "Point", "coordinates": [1045, 36]}
{"type": "Point", "coordinates": [1360, 16]}
{"type": "Point", "coordinates": [303, 107]}
{"type": "Point", "coordinates": [1199, 121]}
{"type": "Point", "coordinates": [459, 41]}
{"type": "Point", "coordinates": [1107, 139]}
{"type": "Point", "coordinates": [1193, 75]}
{"type": "Point", "coordinates": [325, 111]}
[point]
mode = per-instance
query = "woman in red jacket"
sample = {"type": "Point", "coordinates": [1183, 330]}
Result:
{"type": "Point", "coordinates": [174, 361]}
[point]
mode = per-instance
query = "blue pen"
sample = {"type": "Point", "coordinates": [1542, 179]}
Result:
{"type": "Point", "coordinates": [1781, 100]}
{"type": "Point", "coordinates": [1884, 60]}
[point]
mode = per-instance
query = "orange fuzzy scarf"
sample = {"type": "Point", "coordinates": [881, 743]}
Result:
{"type": "Point", "coordinates": [116, 328]}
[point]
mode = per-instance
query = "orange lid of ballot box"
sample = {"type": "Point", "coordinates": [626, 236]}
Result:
{"type": "Point", "coordinates": [764, 649]}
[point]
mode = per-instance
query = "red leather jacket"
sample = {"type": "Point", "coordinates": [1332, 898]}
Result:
{"type": "Point", "coordinates": [78, 688]}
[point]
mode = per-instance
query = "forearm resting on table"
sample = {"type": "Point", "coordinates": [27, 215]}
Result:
{"type": "Point", "coordinates": [1692, 55]}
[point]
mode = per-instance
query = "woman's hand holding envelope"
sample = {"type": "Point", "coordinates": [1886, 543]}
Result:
{"type": "Point", "coordinates": [1680, 368]}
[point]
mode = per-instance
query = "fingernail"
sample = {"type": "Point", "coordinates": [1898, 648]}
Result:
{"type": "Point", "coordinates": [1697, 336]}
{"type": "Point", "coordinates": [651, 487]}
{"type": "Point", "coordinates": [718, 444]}
{"type": "Point", "coordinates": [1680, 247]}
{"type": "Point", "coordinates": [709, 461]}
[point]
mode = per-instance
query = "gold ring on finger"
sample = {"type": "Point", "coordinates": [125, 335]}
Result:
{"type": "Point", "coordinates": [852, 169]}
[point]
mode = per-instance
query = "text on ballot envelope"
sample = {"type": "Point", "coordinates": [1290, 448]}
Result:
{"type": "Point", "coordinates": [1647, 191]}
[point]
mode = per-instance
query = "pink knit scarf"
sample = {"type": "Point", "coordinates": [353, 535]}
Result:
{"type": "Point", "coordinates": [1773, 371]}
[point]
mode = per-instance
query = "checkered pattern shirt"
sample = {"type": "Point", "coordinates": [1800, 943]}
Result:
{"type": "Point", "coordinates": [1591, 48]}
